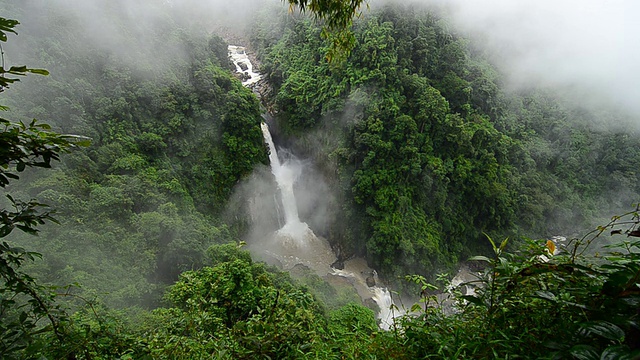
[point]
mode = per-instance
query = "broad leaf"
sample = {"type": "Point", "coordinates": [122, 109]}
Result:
{"type": "Point", "coordinates": [617, 352]}
{"type": "Point", "coordinates": [604, 329]}
{"type": "Point", "coordinates": [479, 258]}
{"type": "Point", "coordinates": [546, 295]}
{"type": "Point", "coordinates": [584, 352]}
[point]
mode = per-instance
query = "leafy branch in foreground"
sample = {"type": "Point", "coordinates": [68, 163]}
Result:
{"type": "Point", "coordinates": [27, 309]}
{"type": "Point", "coordinates": [8, 25]}
{"type": "Point", "coordinates": [337, 16]}
{"type": "Point", "coordinates": [23, 304]}
{"type": "Point", "coordinates": [542, 302]}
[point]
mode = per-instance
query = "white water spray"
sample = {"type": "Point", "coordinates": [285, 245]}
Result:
{"type": "Point", "coordinates": [388, 311]}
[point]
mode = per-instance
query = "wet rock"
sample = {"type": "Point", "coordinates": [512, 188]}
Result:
{"type": "Point", "coordinates": [243, 66]}
{"type": "Point", "coordinates": [371, 282]}
{"type": "Point", "coordinates": [371, 304]}
{"type": "Point", "coordinates": [338, 264]}
{"type": "Point", "coordinates": [270, 260]}
{"type": "Point", "coordinates": [300, 270]}
{"type": "Point", "coordinates": [301, 267]}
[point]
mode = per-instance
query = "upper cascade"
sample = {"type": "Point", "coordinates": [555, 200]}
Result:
{"type": "Point", "coordinates": [243, 65]}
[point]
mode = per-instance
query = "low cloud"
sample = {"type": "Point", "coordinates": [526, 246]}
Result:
{"type": "Point", "coordinates": [584, 46]}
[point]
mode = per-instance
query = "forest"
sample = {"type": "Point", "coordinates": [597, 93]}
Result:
{"type": "Point", "coordinates": [134, 176]}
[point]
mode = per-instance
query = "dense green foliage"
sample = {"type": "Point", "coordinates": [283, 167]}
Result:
{"type": "Point", "coordinates": [169, 142]}
{"type": "Point", "coordinates": [533, 304]}
{"type": "Point", "coordinates": [24, 304]}
{"type": "Point", "coordinates": [236, 309]}
{"type": "Point", "coordinates": [430, 152]}
{"type": "Point", "coordinates": [430, 157]}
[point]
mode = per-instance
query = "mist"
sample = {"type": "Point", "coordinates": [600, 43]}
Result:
{"type": "Point", "coordinates": [582, 46]}
{"type": "Point", "coordinates": [585, 47]}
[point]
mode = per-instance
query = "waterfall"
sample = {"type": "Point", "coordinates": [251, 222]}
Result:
{"type": "Point", "coordinates": [285, 178]}
{"type": "Point", "coordinates": [294, 231]}
{"type": "Point", "coordinates": [388, 310]}
{"type": "Point", "coordinates": [243, 65]}
{"type": "Point", "coordinates": [295, 243]}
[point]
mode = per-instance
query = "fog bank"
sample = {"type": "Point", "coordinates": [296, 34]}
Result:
{"type": "Point", "coordinates": [590, 47]}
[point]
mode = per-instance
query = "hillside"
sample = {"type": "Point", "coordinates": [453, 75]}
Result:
{"type": "Point", "coordinates": [413, 155]}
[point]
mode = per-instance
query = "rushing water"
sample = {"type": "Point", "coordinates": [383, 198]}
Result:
{"type": "Point", "coordinates": [295, 243]}
{"type": "Point", "coordinates": [243, 65]}
{"type": "Point", "coordinates": [285, 176]}
{"type": "Point", "coordinates": [356, 272]}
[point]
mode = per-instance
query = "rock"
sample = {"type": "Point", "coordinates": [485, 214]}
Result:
{"type": "Point", "coordinates": [371, 282]}
{"type": "Point", "coordinates": [243, 66]}
{"type": "Point", "coordinates": [338, 264]}
{"type": "Point", "coordinates": [371, 304]}
{"type": "Point", "coordinates": [300, 270]}
{"type": "Point", "coordinates": [270, 260]}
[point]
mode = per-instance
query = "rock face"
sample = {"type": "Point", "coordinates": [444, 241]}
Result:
{"type": "Point", "coordinates": [338, 264]}
{"type": "Point", "coordinates": [371, 304]}
{"type": "Point", "coordinates": [371, 282]}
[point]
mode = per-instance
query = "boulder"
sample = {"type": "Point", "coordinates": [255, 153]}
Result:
{"type": "Point", "coordinates": [371, 282]}
{"type": "Point", "coordinates": [338, 264]}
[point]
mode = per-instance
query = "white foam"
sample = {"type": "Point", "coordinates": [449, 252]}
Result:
{"type": "Point", "coordinates": [238, 56]}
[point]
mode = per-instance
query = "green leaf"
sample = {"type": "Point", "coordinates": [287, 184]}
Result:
{"type": "Point", "coordinates": [584, 352]}
{"type": "Point", "coordinates": [604, 329]}
{"type": "Point", "coordinates": [616, 352]}
{"type": "Point", "coordinates": [493, 244]}
{"type": "Point", "coordinates": [504, 243]}
{"type": "Point", "coordinates": [479, 258]}
{"type": "Point", "coordinates": [39, 71]}
{"type": "Point", "coordinates": [546, 295]}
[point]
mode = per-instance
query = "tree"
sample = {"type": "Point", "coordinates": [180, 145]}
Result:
{"type": "Point", "coordinates": [21, 146]}
{"type": "Point", "coordinates": [25, 145]}
{"type": "Point", "coordinates": [337, 16]}
{"type": "Point", "coordinates": [336, 13]}
{"type": "Point", "coordinates": [237, 309]}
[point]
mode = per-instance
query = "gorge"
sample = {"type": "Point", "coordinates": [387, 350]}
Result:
{"type": "Point", "coordinates": [295, 243]}
{"type": "Point", "coordinates": [197, 224]}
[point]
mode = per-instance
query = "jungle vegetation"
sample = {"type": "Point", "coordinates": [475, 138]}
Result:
{"type": "Point", "coordinates": [433, 163]}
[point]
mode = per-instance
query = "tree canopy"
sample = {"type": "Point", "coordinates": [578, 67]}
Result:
{"type": "Point", "coordinates": [430, 161]}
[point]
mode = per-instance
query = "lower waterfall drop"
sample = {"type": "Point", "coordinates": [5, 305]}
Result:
{"type": "Point", "coordinates": [387, 313]}
{"type": "Point", "coordinates": [295, 243]}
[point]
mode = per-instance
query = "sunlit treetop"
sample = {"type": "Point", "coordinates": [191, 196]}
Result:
{"type": "Point", "coordinates": [337, 16]}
